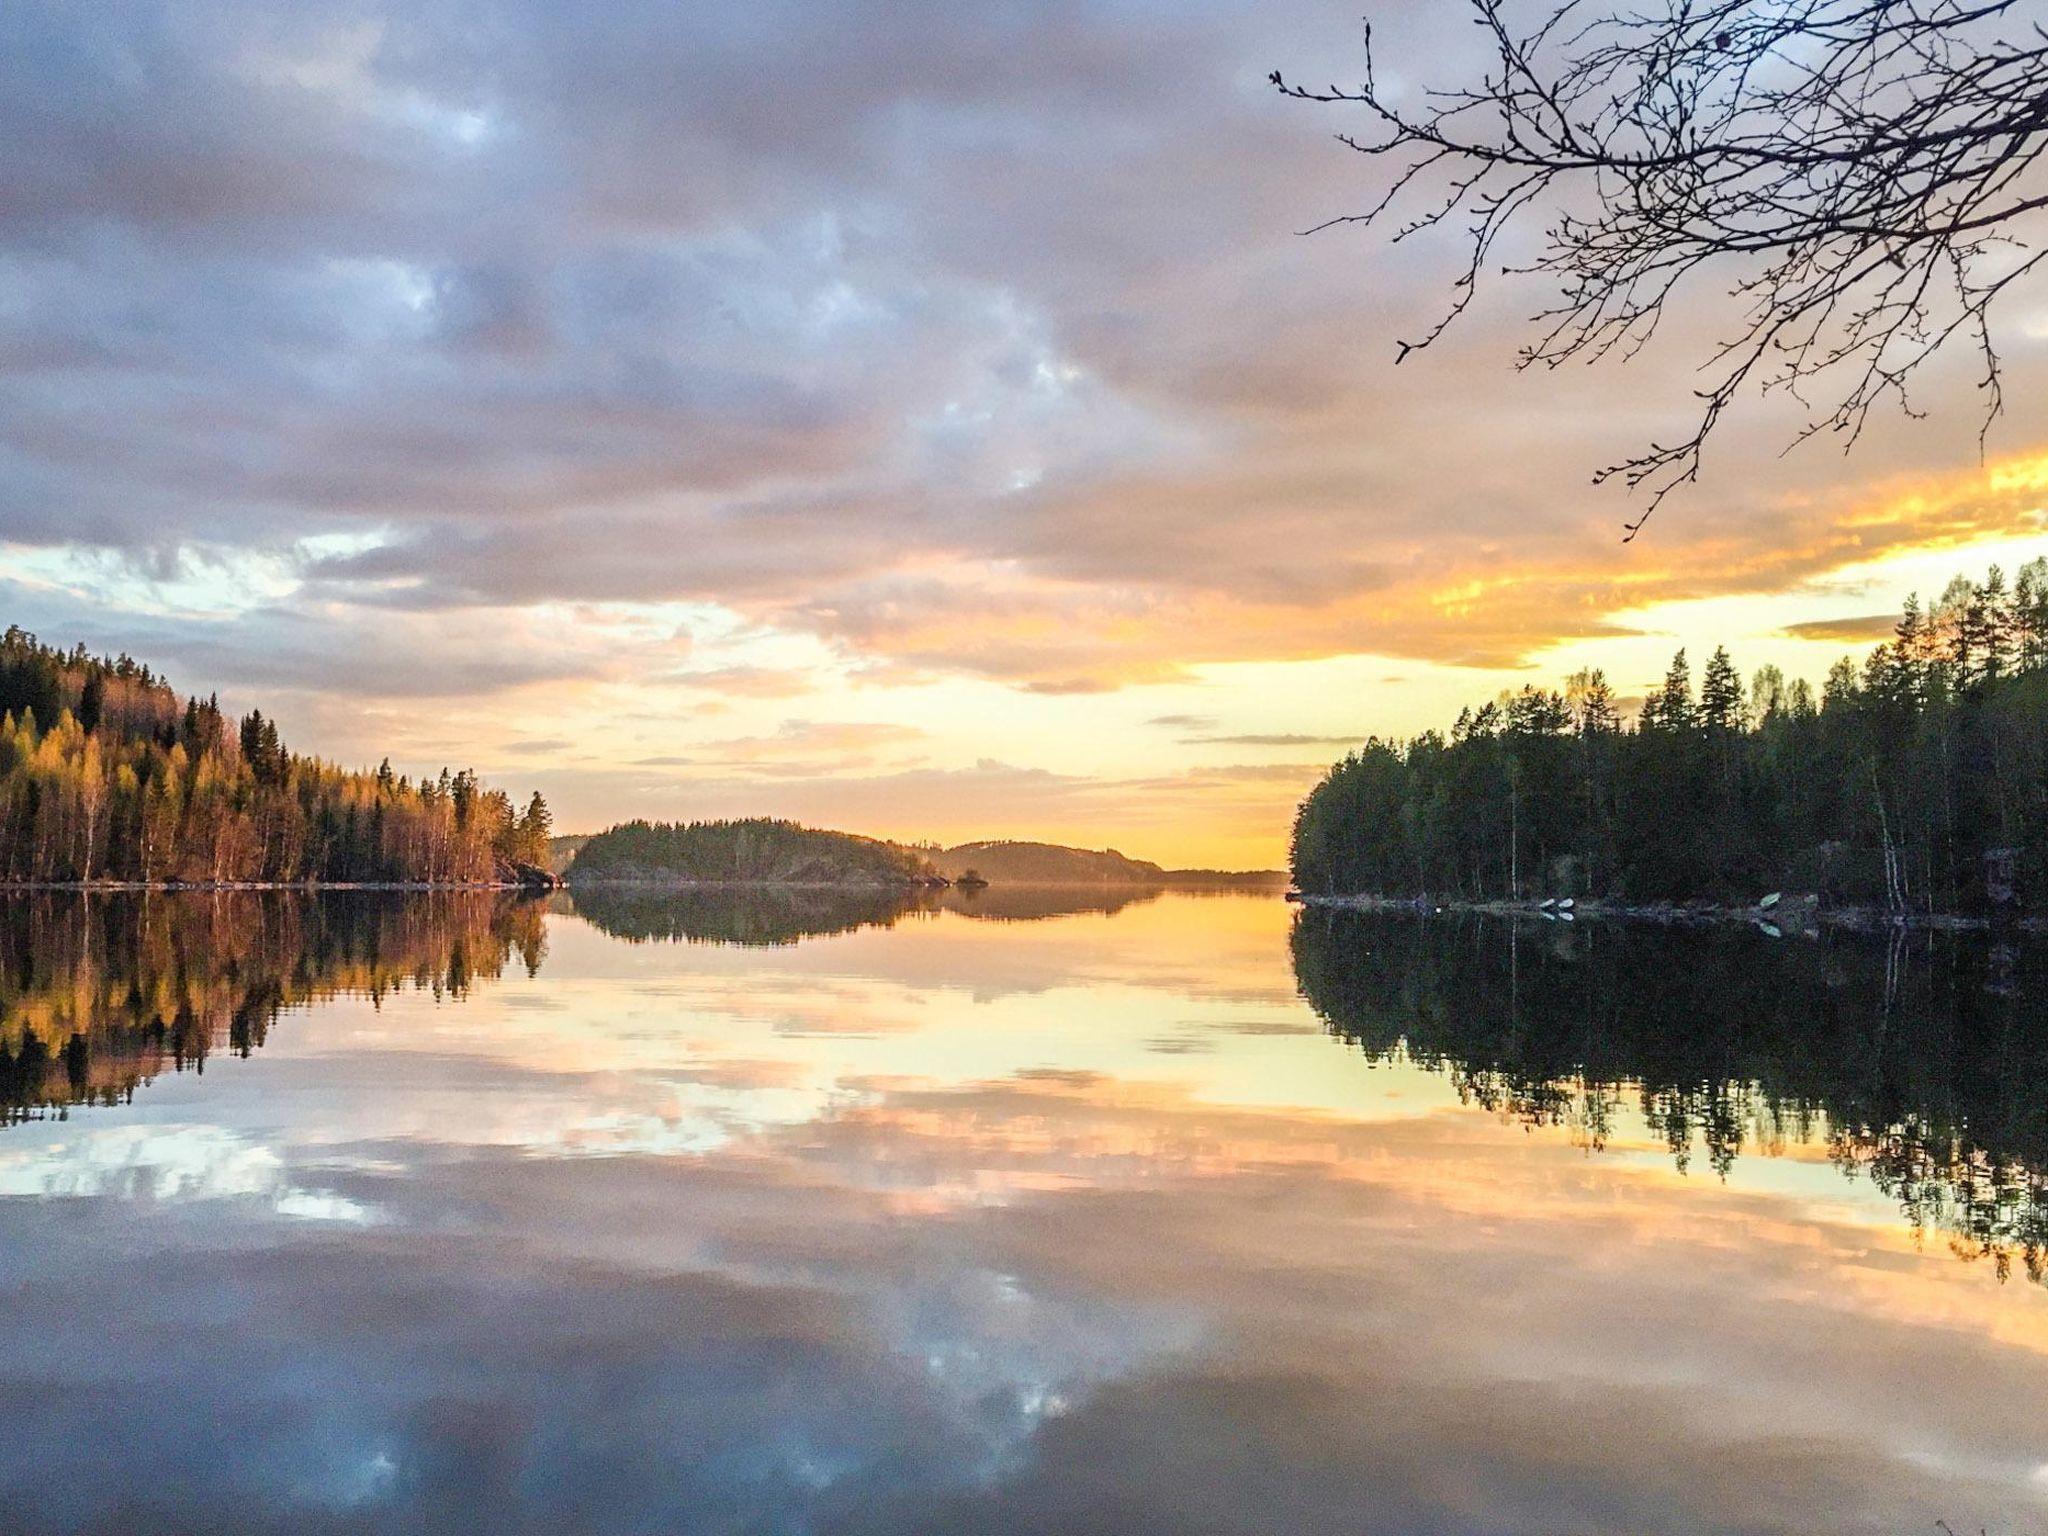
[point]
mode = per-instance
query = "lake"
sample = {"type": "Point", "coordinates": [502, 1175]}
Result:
{"type": "Point", "coordinates": [820, 1213]}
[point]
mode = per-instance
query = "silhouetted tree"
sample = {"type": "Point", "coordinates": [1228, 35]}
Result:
{"type": "Point", "coordinates": [1890, 789]}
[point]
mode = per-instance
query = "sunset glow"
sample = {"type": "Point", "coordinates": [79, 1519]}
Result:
{"type": "Point", "coordinates": [974, 450]}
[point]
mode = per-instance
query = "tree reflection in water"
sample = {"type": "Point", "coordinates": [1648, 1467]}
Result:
{"type": "Point", "coordinates": [775, 915]}
{"type": "Point", "coordinates": [100, 993]}
{"type": "Point", "coordinates": [757, 916]}
{"type": "Point", "coordinates": [1918, 1064]}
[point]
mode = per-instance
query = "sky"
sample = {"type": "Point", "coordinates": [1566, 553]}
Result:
{"type": "Point", "coordinates": [925, 419]}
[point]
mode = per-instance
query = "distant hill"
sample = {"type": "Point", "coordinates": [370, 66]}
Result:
{"type": "Point", "coordinates": [757, 851]}
{"type": "Point", "coordinates": [1004, 862]}
{"type": "Point", "coordinates": [1230, 879]}
{"type": "Point", "coordinates": [1020, 863]}
{"type": "Point", "coordinates": [562, 851]}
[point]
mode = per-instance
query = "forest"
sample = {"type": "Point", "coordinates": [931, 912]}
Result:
{"type": "Point", "coordinates": [106, 775]}
{"type": "Point", "coordinates": [1916, 782]}
{"type": "Point", "coordinates": [751, 850]}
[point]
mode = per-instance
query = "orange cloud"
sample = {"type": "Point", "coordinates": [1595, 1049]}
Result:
{"type": "Point", "coordinates": [1454, 600]}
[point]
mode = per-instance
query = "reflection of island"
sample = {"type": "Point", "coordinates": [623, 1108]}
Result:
{"type": "Point", "coordinates": [99, 994]}
{"type": "Point", "coordinates": [1920, 1066]}
{"type": "Point", "coordinates": [1007, 861]}
{"type": "Point", "coordinates": [760, 915]}
{"type": "Point", "coordinates": [1031, 903]}
{"type": "Point", "coordinates": [755, 915]}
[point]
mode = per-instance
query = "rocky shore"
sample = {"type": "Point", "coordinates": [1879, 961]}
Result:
{"type": "Point", "coordinates": [1803, 914]}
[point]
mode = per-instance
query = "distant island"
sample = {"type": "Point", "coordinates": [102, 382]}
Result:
{"type": "Point", "coordinates": [1004, 861]}
{"type": "Point", "coordinates": [107, 777]}
{"type": "Point", "coordinates": [764, 851]}
{"type": "Point", "coordinates": [753, 851]}
{"type": "Point", "coordinates": [1913, 787]}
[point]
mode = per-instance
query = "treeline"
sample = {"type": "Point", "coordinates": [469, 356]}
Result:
{"type": "Point", "coordinates": [99, 993]}
{"type": "Point", "coordinates": [106, 775]}
{"type": "Point", "coordinates": [755, 850]}
{"type": "Point", "coordinates": [1915, 782]}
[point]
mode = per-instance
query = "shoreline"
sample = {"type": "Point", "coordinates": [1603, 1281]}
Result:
{"type": "Point", "coordinates": [1807, 917]}
{"type": "Point", "coordinates": [214, 887]}
{"type": "Point", "coordinates": [685, 883]}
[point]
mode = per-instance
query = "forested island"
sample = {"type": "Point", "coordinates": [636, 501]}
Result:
{"type": "Point", "coordinates": [750, 851]}
{"type": "Point", "coordinates": [1012, 861]}
{"type": "Point", "coordinates": [1916, 783]}
{"type": "Point", "coordinates": [108, 777]}
{"type": "Point", "coordinates": [767, 851]}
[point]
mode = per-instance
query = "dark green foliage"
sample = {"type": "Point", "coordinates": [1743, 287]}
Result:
{"type": "Point", "coordinates": [1888, 791]}
{"type": "Point", "coordinates": [104, 775]}
{"type": "Point", "coordinates": [753, 850]}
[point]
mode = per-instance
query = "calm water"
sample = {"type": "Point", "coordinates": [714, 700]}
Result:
{"type": "Point", "coordinates": [458, 1215]}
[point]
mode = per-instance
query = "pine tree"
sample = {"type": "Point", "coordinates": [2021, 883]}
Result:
{"type": "Point", "coordinates": [92, 702]}
{"type": "Point", "coordinates": [1670, 708]}
{"type": "Point", "coordinates": [1721, 694]}
{"type": "Point", "coordinates": [536, 826]}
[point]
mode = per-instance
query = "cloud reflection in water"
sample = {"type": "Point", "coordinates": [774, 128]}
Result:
{"type": "Point", "coordinates": [652, 1260]}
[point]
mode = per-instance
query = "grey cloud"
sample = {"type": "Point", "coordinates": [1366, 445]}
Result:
{"type": "Point", "coordinates": [269, 648]}
{"type": "Point", "coordinates": [772, 305]}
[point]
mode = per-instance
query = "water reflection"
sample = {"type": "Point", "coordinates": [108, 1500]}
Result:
{"type": "Point", "coordinates": [99, 994]}
{"type": "Point", "coordinates": [947, 1227]}
{"type": "Point", "coordinates": [780, 915]}
{"type": "Point", "coordinates": [760, 916]}
{"type": "Point", "coordinates": [1034, 903]}
{"type": "Point", "coordinates": [1918, 1063]}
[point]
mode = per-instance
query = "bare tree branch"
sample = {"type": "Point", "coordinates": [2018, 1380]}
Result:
{"type": "Point", "coordinates": [1861, 173]}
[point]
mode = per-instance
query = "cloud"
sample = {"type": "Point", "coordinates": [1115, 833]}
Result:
{"type": "Point", "coordinates": [748, 681]}
{"type": "Point", "coordinates": [1853, 631]}
{"type": "Point", "coordinates": [557, 310]}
